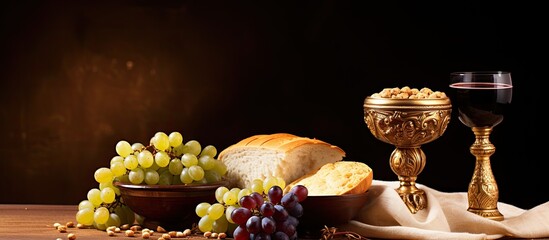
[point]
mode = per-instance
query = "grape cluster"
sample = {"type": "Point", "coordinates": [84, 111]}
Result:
{"type": "Point", "coordinates": [261, 211]}
{"type": "Point", "coordinates": [166, 160]}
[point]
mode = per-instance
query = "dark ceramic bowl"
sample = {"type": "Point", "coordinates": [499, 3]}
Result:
{"type": "Point", "coordinates": [330, 211]}
{"type": "Point", "coordinates": [169, 206]}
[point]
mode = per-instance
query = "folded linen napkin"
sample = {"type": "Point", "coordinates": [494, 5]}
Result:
{"type": "Point", "coordinates": [446, 217]}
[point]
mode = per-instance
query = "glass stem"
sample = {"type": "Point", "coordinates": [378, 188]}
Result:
{"type": "Point", "coordinates": [483, 190]}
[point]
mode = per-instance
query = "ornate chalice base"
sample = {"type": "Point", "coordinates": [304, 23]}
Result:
{"type": "Point", "coordinates": [407, 124]}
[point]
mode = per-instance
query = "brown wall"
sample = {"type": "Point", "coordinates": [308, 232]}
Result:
{"type": "Point", "coordinates": [77, 76]}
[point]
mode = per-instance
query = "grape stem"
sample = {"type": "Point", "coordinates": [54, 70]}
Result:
{"type": "Point", "coordinates": [332, 233]}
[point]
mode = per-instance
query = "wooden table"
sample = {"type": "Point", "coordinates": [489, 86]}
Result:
{"type": "Point", "coordinates": [22, 222]}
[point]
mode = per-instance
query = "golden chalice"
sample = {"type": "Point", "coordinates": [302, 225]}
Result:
{"type": "Point", "coordinates": [407, 124]}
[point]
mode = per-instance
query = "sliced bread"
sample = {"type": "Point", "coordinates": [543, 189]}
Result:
{"type": "Point", "coordinates": [338, 178]}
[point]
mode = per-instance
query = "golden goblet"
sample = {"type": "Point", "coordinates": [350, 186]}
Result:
{"type": "Point", "coordinates": [407, 124]}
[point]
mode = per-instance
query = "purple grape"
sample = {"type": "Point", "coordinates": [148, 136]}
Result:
{"type": "Point", "coordinates": [296, 211]}
{"type": "Point", "coordinates": [240, 233]}
{"type": "Point", "coordinates": [280, 236]}
{"type": "Point", "coordinates": [262, 236]}
{"type": "Point", "coordinates": [253, 225]}
{"type": "Point", "coordinates": [289, 200]}
{"type": "Point", "coordinates": [280, 213]}
{"type": "Point", "coordinates": [259, 200]}
{"type": "Point", "coordinates": [241, 215]}
{"type": "Point", "coordinates": [268, 225]}
{"type": "Point", "coordinates": [267, 209]}
{"type": "Point", "coordinates": [248, 202]}
{"type": "Point", "coordinates": [275, 194]}
{"type": "Point", "coordinates": [292, 220]}
{"type": "Point", "coordinates": [300, 191]}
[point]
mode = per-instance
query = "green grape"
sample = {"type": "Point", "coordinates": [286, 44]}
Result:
{"type": "Point", "coordinates": [103, 174]}
{"type": "Point", "coordinates": [211, 176]}
{"type": "Point", "coordinates": [202, 209]}
{"type": "Point", "coordinates": [161, 141]}
{"type": "Point", "coordinates": [244, 192]}
{"type": "Point", "coordinates": [101, 215]}
{"type": "Point", "coordinates": [196, 173]}
{"type": "Point", "coordinates": [220, 225]}
{"type": "Point", "coordinates": [123, 179]}
{"type": "Point", "coordinates": [281, 182]}
{"type": "Point", "coordinates": [176, 180]}
{"type": "Point", "coordinates": [216, 210]}
{"type": "Point", "coordinates": [151, 177]}
{"type": "Point", "coordinates": [220, 168]}
{"type": "Point", "coordinates": [154, 166]}
{"type": "Point", "coordinates": [145, 158]}
{"type": "Point", "coordinates": [86, 204]}
{"type": "Point", "coordinates": [219, 192]}
{"type": "Point", "coordinates": [85, 216]}
{"type": "Point", "coordinates": [107, 195]}
{"type": "Point", "coordinates": [205, 223]}
{"type": "Point", "coordinates": [230, 198]}
{"type": "Point", "coordinates": [130, 162]}
{"type": "Point", "coordinates": [175, 139]}
{"type": "Point", "coordinates": [193, 147]}
{"type": "Point", "coordinates": [206, 162]}
{"type": "Point", "coordinates": [162, 158]}
{"type": "Point", "coordinates": [189, 159]}
{"type": "Point", "coordinates": [179, 150]}
{"type": "Point", "coordinates": [126, 214]}
{"type": "Point", "coordinates": [123, 148]}
{"type": "Point", "coordinates": [109, 184]}
{"type": "Point", "coordinates": [185, 177]}
{"type": "Point", "coordinates": [139, 219]}
{"type": "Point", "coordinates": [175, 166]}
{"type": "Point", "coordinates": [165, 178]}
{"type": "Point", "coordinates": [94, 196]}
{"type": "Point", "coordinates": [118, 168]}
{"type": "Point", "coordinates": [114, 220]}
{"type": "Point", "coordinates": [268, 182]}
{"type": "Point", "coordinates": [137, 176]}
{"type": "Point", "coordinates": [228, 213]}
{"type": "Point", "coordinates": [209, 150]}
{"type": "Point", "coordinates": [117, 159]}
{"type": "Point", "coordinates": [98, 226]}
{"type": "Point", "coordinates": [137, 147]}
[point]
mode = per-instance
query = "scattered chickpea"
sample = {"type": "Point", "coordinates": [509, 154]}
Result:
{"type": "Point", "coordinates": [80, 225]}
{"type": "Point", "coordinates": [222, 235]}
{"type": "Point", "coordinates": [111, 228]}
{"type": "Point", "coordinates": [160, 229]}
{"type": "Point", "coordinates": [71, 236]}
{"type": "Point", "coordinates": [129, 233]}
{"type": "Point", "coordinates": [117, 230]}
{"type": "Point", "coordinates": [56, 225]}
{"type": "Point", "coordinates": [207, 234]}
{"type": "Point", "coordinates": [172, 233]}
{"type": "Point", "coordinates": [135, 228]}
{"type": "Point", "coordinates": [62, 229]}
{"type": "Point", "coordinates": [125, 227]}
{"type": "Point", "coordinates": [166, 236]}
{"type": "Point", "coordinates": [110, 233]}
{"type": "Point", "coordinates": [214, 235]}
{"type": "Point", "coordinates": [187, 232]}
{"type": "Point", "coordinates": [145, 235]}
{"type": "Point", "coordinates": [179, 234]}
{"type": "Point", "coordinates": [69, 224]}
{"type": "Point", "coordinates": [58, 239]}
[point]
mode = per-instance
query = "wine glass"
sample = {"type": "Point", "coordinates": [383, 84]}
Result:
{"type": "Point", "coordinates": [481, 98]}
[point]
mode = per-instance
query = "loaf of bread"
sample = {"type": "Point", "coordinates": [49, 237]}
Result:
{"type": "Point", "coordinates": [338, 178]}
{"type": "Point", "coordinates": [281, 155]}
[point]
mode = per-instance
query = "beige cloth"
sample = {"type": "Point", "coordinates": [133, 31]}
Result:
{"type": "Point", "coordinates": [446, 217]}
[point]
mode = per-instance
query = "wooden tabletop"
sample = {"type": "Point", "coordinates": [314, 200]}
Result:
{"type": "Point", "coordinates": [23, 222]}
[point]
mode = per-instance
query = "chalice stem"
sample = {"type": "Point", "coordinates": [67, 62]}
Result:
{"type": "Point", "coordinates": [483, 191]}
{"type": "Point", "coordinates": [407, 163]}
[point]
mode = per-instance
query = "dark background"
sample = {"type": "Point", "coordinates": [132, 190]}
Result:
{"type": "Point", "coordinates": [78, 76]}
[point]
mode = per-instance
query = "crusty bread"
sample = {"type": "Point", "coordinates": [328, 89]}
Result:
{"type": "Point", "coordinates": [281, 154]}
{"type": "Point", "coordinates": [343, 177]}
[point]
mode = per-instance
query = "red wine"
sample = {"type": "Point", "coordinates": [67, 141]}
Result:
{"type": "Point", "coordinates": [481, 104]}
